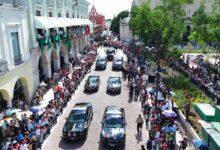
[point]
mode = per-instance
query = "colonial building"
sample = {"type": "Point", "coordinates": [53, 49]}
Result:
{"type": "Point", "coordinates": [16, 74]}
{"type": "Point", "coordinates": [59, 30]}
{"type": "Point", "coordinates": [97, 19]}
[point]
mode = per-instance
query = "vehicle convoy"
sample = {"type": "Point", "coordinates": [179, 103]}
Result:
{"type": "Point", "coordinates": [101, 63]}
{"type": "Point", "coordinates": [92, 84]}
{"type": "Point", "coordinates": [110, 53]}
{"type": "Point", "coordinates": [114, 85]}
{"type": "Point", "coordinates": [113, 127]}
{"type": "Point", "coordinates": [78, 122]}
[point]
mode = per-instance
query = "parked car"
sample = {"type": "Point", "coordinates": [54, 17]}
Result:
{"type": "Point", "coordinates": [110, 53]}
{"type": "Point", "coordinates": [101, 63]}
{"type": "Point", "coordinates": [114, 85]}
{"type": "Point", "coordinates": [113, 127]}
{"type": "Point", "coordinates": [92, 83]}
{"type": "Point", "coordinates": [78, 122]}
{"type": "Point", "coordinates": [117, 63]}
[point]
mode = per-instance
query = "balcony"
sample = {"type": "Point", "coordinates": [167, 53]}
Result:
{"type": "Point", "coordinates": [43, 42]}
{"type": "Point", "coordinates": [14, 3]}
{"type": "Point", "coordinates": [64, 36]}
{"type": "Point", "coordinates": [3, 67]}
{"type": "Point", "coordinates": [55, 38]}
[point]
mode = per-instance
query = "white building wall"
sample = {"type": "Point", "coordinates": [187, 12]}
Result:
{"type": "Point", "coordinates": [14, 19]}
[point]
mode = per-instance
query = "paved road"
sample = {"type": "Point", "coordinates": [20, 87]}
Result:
{"type": "Point", "coordinates": [99, 101]}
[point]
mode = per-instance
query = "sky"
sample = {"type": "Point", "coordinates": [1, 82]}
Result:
{"type": "Point", "coordinates": [109, 8]}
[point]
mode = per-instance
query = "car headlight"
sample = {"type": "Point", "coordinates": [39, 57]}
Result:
{"type": "Point", "coordinates": [104, 134]}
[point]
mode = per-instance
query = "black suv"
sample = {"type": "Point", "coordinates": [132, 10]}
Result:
{"type": "Point", "coordinates": [113, 127]}
{"type": "Point", "coordinates": [117, 63]}
{"type": "Point", "coordinates": [78, 122]}
{"type": "Point", "coordinates": [110, 53]}
{"type": "Point", "coordinates": [100, 63]}
{"type": "Point", "coordinates": [114, 85]}
{"type": "Point", "coordinates": [92, 83]}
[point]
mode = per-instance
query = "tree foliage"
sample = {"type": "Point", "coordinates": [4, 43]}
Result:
{"type": "Point", "coordinates": [116, 21]}
{"type": "Point", "coordinates": [206, 27]}
{"type": "Point", "coordinates": [161, 26]}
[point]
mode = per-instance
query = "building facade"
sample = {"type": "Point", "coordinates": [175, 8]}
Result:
{"type": "Point", "coordinates": [16, 74]}
{"type": "Point", "coordinates": [97, 19]}
{"type": "Point", "coordinates": [59, 30]}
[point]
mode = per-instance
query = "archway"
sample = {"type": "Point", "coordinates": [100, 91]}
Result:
{"type": "Point", "coordinates": [20, 95]}
{"type": "Point", "coordinates": [54, 62]}
{"type": "Point", "coordinates": [63, 57]}
{"type": "Point", "coordinates": [43, 68]}
{"type": "Point", "coordinates": [4, 97]}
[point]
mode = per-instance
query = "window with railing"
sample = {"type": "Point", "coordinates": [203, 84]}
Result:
{"type": "Point", "coordinates": [38, 13]}
{"type": "Point", "coordinates": [16, 48]}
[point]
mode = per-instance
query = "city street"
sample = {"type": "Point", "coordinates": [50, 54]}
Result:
{"type": "Point", "coordinates": [99, 101]}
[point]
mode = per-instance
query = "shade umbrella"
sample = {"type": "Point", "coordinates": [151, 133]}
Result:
{"type": "Point", "coordinates": [82, 61]}
{"type": "Point", "coordinates": [36, 109]}
{"type": "Point", "coordinates": [58, 88]}
{"type": "Point", "coordinates": [76, 68]}
{"type": "Point", "coordinates": [151, 90]}
{"type": "Point", "coordinates": [169, 113]}
{"type": "Point", "coordinates": [200, 145]}
{"type": "Point", "coordinates": [43, 83]}
{"type": "Point", "coordinates": [172, 93]}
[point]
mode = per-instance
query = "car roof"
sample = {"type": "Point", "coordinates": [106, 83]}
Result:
{"type": "Point", "coordinates": [109, 116]}
{"type": "Point", "coordinates": [114, 110]}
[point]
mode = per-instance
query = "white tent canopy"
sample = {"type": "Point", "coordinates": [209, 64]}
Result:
{"type": "Point", "coordinates": [56, 22]}
{"type": "Point", "coordinates": [52, 22]}
{"type": "Point", "coordinates": [43, 23]}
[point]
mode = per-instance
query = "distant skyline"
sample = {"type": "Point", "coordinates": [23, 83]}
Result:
{"type": "Point", "coordinates": [110, 8]}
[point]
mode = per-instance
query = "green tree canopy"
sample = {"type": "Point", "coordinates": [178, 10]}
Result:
{"type": "Point", "coordinates": [161, 26]}
{"type": "Point", "coordinates": [206, 27]}
{"type": "Point", "coordinates": [116, 21]}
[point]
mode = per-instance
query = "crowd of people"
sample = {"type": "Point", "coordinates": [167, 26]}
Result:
{"type": "Point", "coordinates": [201, 74]}
{"type": "Point", "coordinates": [29, 132]}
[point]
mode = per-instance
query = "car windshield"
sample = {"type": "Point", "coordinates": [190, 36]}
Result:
{"type": "Point", "coordinates": [118, 60]}
{"type": "Point", "coordinates": [114, 81]}
{"type": "Point", "coordinates": [77, 116]}
{"type": "Point", "coordinates": [101, 59]}
{"type": "Point", "coordinates": [111, 51]}
{"type": "Point", "coordinates": [113, 122]}
{"type": "Point", "coordinates": [93, 79]}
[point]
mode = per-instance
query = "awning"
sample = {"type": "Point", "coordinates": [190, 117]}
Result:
{"type": "Point", "coordinates": [79, 22]}
{"type": "Point", "coordinates": [56, 22]}
{"type": "Point", "coordinates": [43, 23]}
{"type": "Point", "coordinates": [65, 21]}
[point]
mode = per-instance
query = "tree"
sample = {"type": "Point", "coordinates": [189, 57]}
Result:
{"type": "Point", "coordinates": [206, 27]}
{"type": "Point", "coordinates": [160, 27]}
{"type": "Point", "coordinates": [116, 21]}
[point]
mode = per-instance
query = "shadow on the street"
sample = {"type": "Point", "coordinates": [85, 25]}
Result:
{"type": "Point", "coordinates": [71, 144]}
{"type": "Point", "coordinates": [101, 147]}
{"type": "Point", "coordinates": [138, 137]}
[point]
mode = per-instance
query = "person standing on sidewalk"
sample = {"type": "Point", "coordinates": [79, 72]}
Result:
{"type": "Point", "coordinates": [139, 122]}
